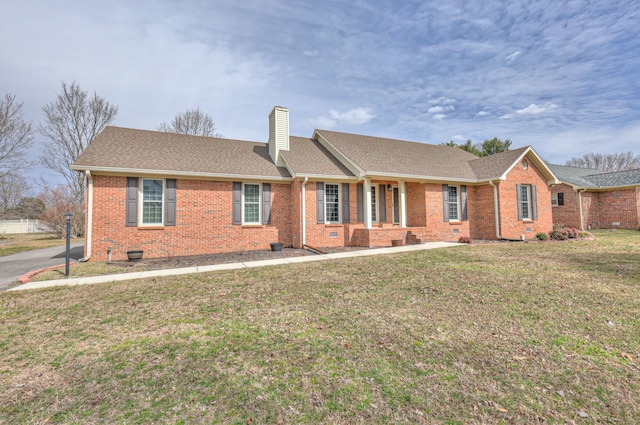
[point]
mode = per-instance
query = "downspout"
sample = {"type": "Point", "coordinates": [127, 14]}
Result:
{"type": "Point", "coordinates": [304, 213]}
{"type": "Point", "coordinates": [87, 230]}
{"type": "Point", "coordinates": [580, 206]}
{"type": "Point", "coordinates": [496, 208]}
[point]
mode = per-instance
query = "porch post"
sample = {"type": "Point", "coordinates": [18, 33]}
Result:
{"type": "Point", "coordinates": [367, 203]}
{"type": "Point", "coordinates": [403, 204]}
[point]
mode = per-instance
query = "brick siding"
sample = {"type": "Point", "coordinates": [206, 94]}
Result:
{"type": "Point", "coordinates": [600, 210]}
{"type": "Point", "coordinates": [510, 226]}
{"type": "Point", "coordinates": [203, 216]}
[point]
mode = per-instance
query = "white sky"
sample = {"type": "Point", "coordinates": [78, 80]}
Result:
{"type": "Point", "coordinates": [562, 76]}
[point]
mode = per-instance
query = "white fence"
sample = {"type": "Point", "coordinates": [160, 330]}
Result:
{"type": "Point", "coordinates": [20, 226]}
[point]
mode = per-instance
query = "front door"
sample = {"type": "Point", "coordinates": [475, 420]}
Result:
{"type": "Point", "coordinates": [396, 205]}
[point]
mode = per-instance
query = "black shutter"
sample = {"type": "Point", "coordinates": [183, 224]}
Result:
{"type": "Point", "coordinates": [132, 202]}
{"type": "Point", "coordinates": [170, 203]}
{"type": "Point", "coordinates": [534, 202]}
{"type": "Point", "coordinates": [560, 198]}
{"type": "Point", "coordinates": [463, 200]}
{"type": "Point", "coordinates": [345, 203]}
{"type": "Point", "coordinates": [266, 203]}
{"type": "Point", "coordinates": [236, 210]}
{"type": "Point", "coordinates": [383, 203]}
{"type": "Point", "coordinates": [320, 202]}
{"type": "Point", "coordinates": [445, 202]}
{"type": "Point", "coordinates": [519, 190]}
{"type": "Point", "coordinates": [360, 201]}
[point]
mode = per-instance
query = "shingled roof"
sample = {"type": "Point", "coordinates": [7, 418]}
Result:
{"type": "Point", "coordinates": [118, 149]}
{"type": "Point", "coordinates": [589, 178]}
{"type": "Point", "coordinates": [330, 155]}
{"type": "Point", "coordinates": [382, 156]}
{"type": "Point", "coordinates": [307, 157]}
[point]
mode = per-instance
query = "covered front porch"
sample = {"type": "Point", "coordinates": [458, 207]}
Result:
{"type": "Point", "coordinates": [385, 216]}
{"type": "Point", "coordinates": [387, 236]}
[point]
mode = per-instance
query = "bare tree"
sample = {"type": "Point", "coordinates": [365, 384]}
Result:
{"type": "Point", "coordinates": [13, 188]}
{"type": "Point", "coordinates": [16, 135]}
{"type": "Point", "coordinates": [57, 202]}
{"type": "Point", "coordinates": [72, 122]}
{"type": "Point", "coordinates": [609, 162]}
{"type": "Point", "coordinates": [193, 122]}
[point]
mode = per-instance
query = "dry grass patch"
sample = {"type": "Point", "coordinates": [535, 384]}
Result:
{"type": "Point", "coordinates": [495, 333]}
{"type": "Point", "coordinates": [14, 243]}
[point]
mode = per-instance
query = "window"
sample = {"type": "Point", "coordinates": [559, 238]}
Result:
{"type": "Point", "coordinates": [525, 205]}
{"type": "Point", "coordinates": [152, 201]}
{"type": "Point", "coordinates": [454, 202]}
{"type": "Point", "coordinates": [332, 202]}
{"type": "Point", "coordinates": [557, 199]}
{"type": "Point", "coordinates": [374, 204]}
{"type": "Point", "coordinates": [251, 199]}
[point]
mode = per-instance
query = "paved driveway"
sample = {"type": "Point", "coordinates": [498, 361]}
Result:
{"type": "Point", "coordinates": [15, 265]}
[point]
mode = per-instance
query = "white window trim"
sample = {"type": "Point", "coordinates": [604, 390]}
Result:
{"type": "Point", "coordinates": [326, 212]}
{"type": "Point", "coordinates": [393, 205]}
{"type": "Point", "coordinates": [554, 200]}
{"type": "Point", "coordinates": [528, 202]}
{"type": "Point", "coordinates": [142, 202]}
{"type": "Point", "coordinates": [375, 203]}
{"type": "Point", "coordinates": [252, 223]}
{"type": "Point", "coordinates": [458, 200]}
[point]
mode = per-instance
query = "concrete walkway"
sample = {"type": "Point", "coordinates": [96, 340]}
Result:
{"type": "Point", "coordinates": [217, 267]}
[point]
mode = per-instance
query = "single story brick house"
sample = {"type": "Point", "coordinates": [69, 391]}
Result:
{"type": "Point", "coordinates": [593, 199]}
{"type": "Point", "coordinates": [172, 195]}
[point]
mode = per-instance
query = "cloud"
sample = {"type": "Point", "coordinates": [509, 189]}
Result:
{"type": "Point", "coordinates": [513, 56]}
{"type": "Point", "coordinates": [532, 109]}
{"type": "Point", "coordinates": [482, 114]}
{"type": "Point", "coordinates": [355, 116]}
{"type": "Point", "coordinates": [310, 53]}
{"type": "Point", "coordinates": [439, 117]}
{"type": "Point", "coordinates": [442, 101]}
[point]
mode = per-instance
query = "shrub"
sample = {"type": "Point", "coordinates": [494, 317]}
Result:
{"type": "Point", "coordinates": [464, 239]}
{"type": "Point", "coordinates": [542, 236]}
{"type": "Point", "coordinates": [558, 235]}
{"type": "Point", "coordinates": [571, 232]}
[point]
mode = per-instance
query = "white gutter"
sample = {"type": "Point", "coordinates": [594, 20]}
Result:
{"type": "Point", "coordinates": [497, 209]}
{"type": "Point", "coordinates": [304, 212]}
{"type": "Point", "coordinates": [580, 205]}
{"type": "Point", "coordinates": [172, 173]}
{"type": "Point", "coordinates": [87, 230]}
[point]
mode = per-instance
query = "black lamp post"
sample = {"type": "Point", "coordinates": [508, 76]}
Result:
{"type": "Point", "coordinates": [66, 262]}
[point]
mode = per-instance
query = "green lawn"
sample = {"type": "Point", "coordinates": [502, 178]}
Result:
{"type": "Point", "coordinates": [495, 333]}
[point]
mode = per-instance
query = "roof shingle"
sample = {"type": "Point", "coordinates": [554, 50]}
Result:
{"type": "Point", "coordinates": [309, 157]}
{"type": "Point", "coordinates": [377, 155]}
{"type": "Point", "coordinates": [120, 148]}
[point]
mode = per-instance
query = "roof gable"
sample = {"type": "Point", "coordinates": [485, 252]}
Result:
{"type": "Point", "coordinates": [497, 166]}
{"type": "Point", "coordinates": [391, 157]}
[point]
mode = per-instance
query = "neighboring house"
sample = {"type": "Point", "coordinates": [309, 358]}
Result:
{"type": "Point", "coordinates": [593, 199]}
{"type": "Point", "coordinates": [171, 194]}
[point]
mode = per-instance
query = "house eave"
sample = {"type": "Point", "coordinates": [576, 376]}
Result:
{"type": "Point", "coordinates": [539, 162]}
{"type": "Point", "coordinates": [415, 177]}
{"type": "Point", "coordinates": [175, 173]}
